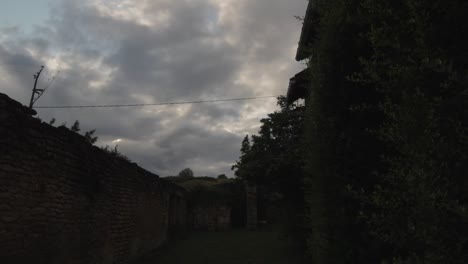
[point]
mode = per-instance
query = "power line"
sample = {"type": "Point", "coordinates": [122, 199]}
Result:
{"type": "Point", "coordinates": [51, 81]}
{"type": "Point", "coordinates": [156, 104]}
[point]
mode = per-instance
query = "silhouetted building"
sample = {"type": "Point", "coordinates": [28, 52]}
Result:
{"type": "Point", "coordinates": [300, 83]}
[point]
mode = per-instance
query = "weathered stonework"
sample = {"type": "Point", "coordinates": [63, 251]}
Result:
{"type": "Point", "coordinates": [212, 217]}
{"type": "Point", "coordinates": [63, 200]}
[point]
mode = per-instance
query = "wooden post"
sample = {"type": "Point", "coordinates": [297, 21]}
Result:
{"type": "Point", "coordinates": [35, 90]}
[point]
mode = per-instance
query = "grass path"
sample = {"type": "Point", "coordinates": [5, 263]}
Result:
{"type": "Point", "coordinates": [227, 247]}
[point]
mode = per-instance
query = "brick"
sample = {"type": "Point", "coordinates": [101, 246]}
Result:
{"type": "Point", "coordinates": [60, 186]}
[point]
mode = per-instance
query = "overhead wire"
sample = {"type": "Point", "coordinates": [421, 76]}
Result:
{"type": "Point", "coordinates": [156, 104]}
{"type": "Point", "coordinates": [51, 81]}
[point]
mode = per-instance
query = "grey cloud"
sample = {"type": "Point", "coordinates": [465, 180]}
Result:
{"type": "Point", "coordinates": [189, 55]}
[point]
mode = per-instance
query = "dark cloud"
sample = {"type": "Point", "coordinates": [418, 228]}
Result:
{"type": "Point", "coordinates": [160, 51]}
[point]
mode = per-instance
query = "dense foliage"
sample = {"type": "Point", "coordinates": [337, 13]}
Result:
{"type": "Point", "coordinates": [273, 161]}
{"type": "Point", "coordinates": [381, 150]}
{"type": "Point", "coordinates": [386, 132]}
{"type": "Point", "coordinates": [274, 156]}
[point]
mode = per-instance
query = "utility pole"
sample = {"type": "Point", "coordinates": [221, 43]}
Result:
{"type": "Point", "coordinates": [35, 90]}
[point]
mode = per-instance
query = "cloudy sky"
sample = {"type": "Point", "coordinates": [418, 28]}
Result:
{"type": "Point", "coordinates": [152, 51]}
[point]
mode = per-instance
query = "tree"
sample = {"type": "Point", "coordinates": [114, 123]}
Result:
{"type": "Point", "coordinates": [89, 136]}
{"type": "Point", "coordinates": [274, 156]}
{"type": "Point", "coordinates": [273, 160]}
{"type": "Point", "coordinates": [76, 126]}
{"type": "Point", "coordinates": [221, 177]}
{"type": "Point", "coordinates": [241, 169]}
{"type": "Point", "coordinates": [186, 173]}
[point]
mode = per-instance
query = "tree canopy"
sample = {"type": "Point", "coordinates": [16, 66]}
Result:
{"type": "Point", "coordinates": [186, 173]}
{"type": "Point", "coordinates": [386, 147]}
{"type": "Point", "coordinates": [273, 157]}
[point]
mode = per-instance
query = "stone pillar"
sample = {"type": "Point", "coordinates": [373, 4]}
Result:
{"type": "Point", "coordinates": [251, 205]}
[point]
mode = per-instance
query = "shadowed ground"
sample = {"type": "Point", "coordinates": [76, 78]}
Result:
{"type": "Point", "coordinates": [229, 247]}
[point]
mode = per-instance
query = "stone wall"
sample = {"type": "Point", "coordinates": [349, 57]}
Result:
{"type": "Point", "coordinates": [63, 200]}
{"type": "Point", "coordinates": [212, 217]}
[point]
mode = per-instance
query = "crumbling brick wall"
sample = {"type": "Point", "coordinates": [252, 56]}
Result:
{"type": "Point", "coordinates": [214, 216]}
{"type": "Point", "coordinates": [63, 200]}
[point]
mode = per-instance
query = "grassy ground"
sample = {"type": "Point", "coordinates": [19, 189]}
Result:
{"type": "Point", "coordinates": [227, 247]}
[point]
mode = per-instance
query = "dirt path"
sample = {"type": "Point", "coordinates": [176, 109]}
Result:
{"type": "Point", "coordinates": [227, 247]}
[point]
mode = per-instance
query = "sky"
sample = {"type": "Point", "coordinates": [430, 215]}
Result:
{"type": "Point", "coordinates": [152, 51]}
{"type": "Point", "coordinates": [24, 13]}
